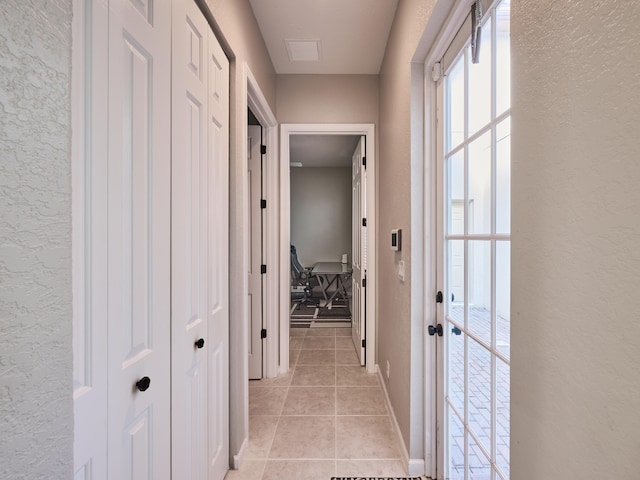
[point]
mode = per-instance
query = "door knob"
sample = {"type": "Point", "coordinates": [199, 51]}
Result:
{"type": "Point", "coordinates": [143, 383]}
{"type": "Point", "coordinates": [200, 343]}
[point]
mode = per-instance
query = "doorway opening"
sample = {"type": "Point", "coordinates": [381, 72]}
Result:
{"type": "Point", "coordinates": [295, 183]}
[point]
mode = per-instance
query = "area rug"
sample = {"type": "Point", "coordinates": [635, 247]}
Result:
{"type": "Point", "coordinates": [313, 312]}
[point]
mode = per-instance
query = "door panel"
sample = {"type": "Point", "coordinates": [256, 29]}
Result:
{"type": "Point", "coordinates": [138, 240]}
{"type": "Point", "coordinates": [255, 251]}
{"type": "Point", "coordinates": [189, 261]}
{"type": "Point", "coordinates": [473, 264]}
{"type": "Point", "coordinates": [358, 307]}
{"type": "Point", "coordinates": [218, 253]}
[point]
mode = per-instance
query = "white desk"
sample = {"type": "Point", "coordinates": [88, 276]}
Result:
{"type": "Point", "coordinates": [329, 273]}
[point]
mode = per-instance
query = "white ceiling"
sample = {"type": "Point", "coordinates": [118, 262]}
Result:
{"type": "Point", "coordinates": [351, 34]}
{"type": "Point", "coordinates": [322, 150]}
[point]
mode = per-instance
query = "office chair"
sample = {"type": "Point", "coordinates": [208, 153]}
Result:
{"type": "Point", "coordinates": [302, 281]}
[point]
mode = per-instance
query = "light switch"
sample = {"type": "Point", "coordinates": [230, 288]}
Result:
{"type": "Point", "coordinates": [401, 270]}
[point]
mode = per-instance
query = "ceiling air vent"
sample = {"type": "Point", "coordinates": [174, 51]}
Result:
{"type": "Point", "coordinates": [303, 50]}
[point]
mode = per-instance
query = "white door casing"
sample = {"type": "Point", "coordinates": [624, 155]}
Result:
{"type": "Point", "coordinates": [286, 130]}
{"type": "Point", "coordinates": [254, 306]}
{"type": "Point", "coordinates": [359, 249]}
{"type": "Point", "coordinates": [138, 240]}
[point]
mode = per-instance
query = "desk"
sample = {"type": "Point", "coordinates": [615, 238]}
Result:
{"type": "Point", "coordinates": [329, 273]}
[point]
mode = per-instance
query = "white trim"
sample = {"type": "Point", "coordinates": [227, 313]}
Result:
{"type": "Point", "coordinates": [258, 104]}
{"type": "Point", "coordinates": [443, 32]}
{"type": "Point", "coordinates": [239, 458]}
{"type": "Point", "coordinates": [413, 466]}
{"type": "Point", "coordinates": [367, 129]}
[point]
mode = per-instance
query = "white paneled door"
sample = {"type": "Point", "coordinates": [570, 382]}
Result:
{"type": "Point", "coordinates": [254, 188]}
{"type": "Point", "coordinates": [138, 240]}
{"type": "Point", "coordinates": [359, 240]}
{"type": "Point", "coordinates": [151, 252]}
{"type": "Point", "coordinates": [199, 249]}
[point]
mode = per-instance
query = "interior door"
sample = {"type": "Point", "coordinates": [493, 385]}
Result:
{"type": "Point", "coordinates": [138, 240]}
{"type": "Point", "coordinates": [359, 244]}
{"type": "Point", "coordinates": [255, 257]}
{"type": "Point", "coordinates": [217, 125]}
{"type": "Point", "coordinates": [474, 257]}
{"type": "Point", "coordinates": [189, 243]}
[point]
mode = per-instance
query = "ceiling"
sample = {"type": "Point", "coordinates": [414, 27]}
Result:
{"type": "Point", "coordinates": [322, 150]}
{"type": "Point", "coordinates": [348, 36]}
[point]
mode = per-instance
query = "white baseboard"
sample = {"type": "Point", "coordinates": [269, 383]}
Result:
{"type": "Point", "coordinates": [238, 458]}
{"type": "Point", "coordinates": [414, 466]}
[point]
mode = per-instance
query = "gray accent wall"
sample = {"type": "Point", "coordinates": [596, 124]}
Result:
{"type": "Point", "coordinates": [321, 214]}
{"type": "Point", "coordinates": [575, 338]}
{"type": "Point", "coordinates": [36, 407]}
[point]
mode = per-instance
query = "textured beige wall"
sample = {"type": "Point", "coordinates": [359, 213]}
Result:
{"type": "Point", "coordinates": [397, 342]}
{"type": "Point", "coordinates": [327, 99]}
{"type": "Point", "coordinates": [36, 409]}
{"type": "Point", "coordinates": [321, 214]}
{"type": "Point", "coordinates": [575, 376]}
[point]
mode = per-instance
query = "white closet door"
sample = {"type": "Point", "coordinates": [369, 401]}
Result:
{"type": "Point", "coordinates": [138, 239]}
{"type": "Point", "coordinates": [218, 272]}
{"type": "Point", "coordinates": [189, 242]}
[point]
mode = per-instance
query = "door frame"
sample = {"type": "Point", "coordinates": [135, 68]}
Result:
{"type": "Point", "coordinates": [359, 129]}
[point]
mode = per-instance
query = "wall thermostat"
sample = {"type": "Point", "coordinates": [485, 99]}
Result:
{"type": "Point", "coordinates": [395, 239]}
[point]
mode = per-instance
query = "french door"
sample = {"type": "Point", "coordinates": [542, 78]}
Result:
{"type": "Point", "coordinates": [474, 254]}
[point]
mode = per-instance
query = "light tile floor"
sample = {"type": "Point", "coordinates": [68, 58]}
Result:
{"type": "Point", "coordinates": [326, 417]}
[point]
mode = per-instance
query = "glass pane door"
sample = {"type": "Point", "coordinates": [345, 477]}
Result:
{"type": "Point", "coordinates": [475, 256]}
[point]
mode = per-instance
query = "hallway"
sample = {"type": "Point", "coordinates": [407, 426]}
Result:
{"type": "Point", "coordinates": [326, 417]}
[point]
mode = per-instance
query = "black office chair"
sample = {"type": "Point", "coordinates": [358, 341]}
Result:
{"type": "Point", "coordinates": [302, 281]}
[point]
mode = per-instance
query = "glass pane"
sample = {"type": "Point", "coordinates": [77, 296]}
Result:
{"type": "Point", "coordinates": [456, 447]}
{"type": "Point", "coordinates": [503, 58]}
{"type": "Point", "coordinates": [503, 416]}
{"type": "Point", "coordinates": [455, 86]}
{"type": "Point", "coordinates": [479, 267]}
{"type": "Point", "coordinates": [456, 193]}
{"type": "Point", "coordinates": [480, 84]}
{"type": "Point", "coordinates": [503, 176]}
{"type": "Point", "coordinates": [503, 297]}
{"type": "Point", "coordinates": [479, 213]}
{"type": "Point", "coordinates": [456, 367]}
{"type": "Point", "coordinates": [479, 466]}
{"type": "Point", "coordinates": [455, 279]}
{"type": "Point", "coordinates": [480, 392]}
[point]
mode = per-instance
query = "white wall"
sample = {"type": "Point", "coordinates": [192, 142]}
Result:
{"type": "Point", "coordinates": [321, 214]}
{"type": "Point", "coordinates": [36, 409]}
{"type": "Point", "coordinates": [575, 376]}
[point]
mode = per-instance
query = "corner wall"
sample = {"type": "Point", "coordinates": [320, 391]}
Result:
{"type": "Point", "coordinates": [400, 330]}
{"type": "Point", "coordinates": [36, 409]}
{"type": "Point", "coordinates": [575, 374]}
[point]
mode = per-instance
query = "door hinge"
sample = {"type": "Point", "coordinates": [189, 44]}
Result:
{"type": "Point", "coordinates": [364, 162]}
{"type": "Point", "coordinates": [263, 203]}
{"type": "Point", "coordinates": [364, 282]}
{"type": "Point", "coordinates": [364, 343]}
{"type": "Point", "coordinates": [364, 222]}
{"type": "Point", "coordinates": [439, 297]}
{"type": "Point", "coordinates": [437, 329]}
{"type": "Point", "coordinates": [263, 269]}
{"type": "Point", "coordinates": [263, 333]}
{"type": "Point", "coordinates": [263, 149]}
{"type": "Point", "coordinates": [436, 72]}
